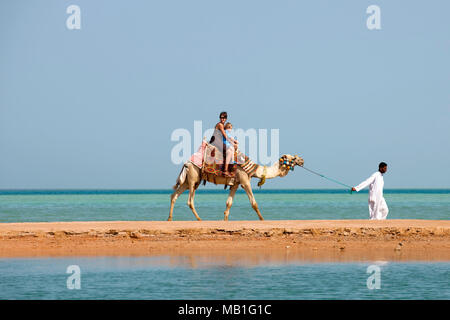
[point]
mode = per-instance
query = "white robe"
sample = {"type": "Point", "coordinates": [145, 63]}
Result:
{"type": "Point", "coordinates": [378, 209]}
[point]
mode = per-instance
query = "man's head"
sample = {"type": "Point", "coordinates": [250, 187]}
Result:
{"type": "Point", "coordinates": [382, 167]}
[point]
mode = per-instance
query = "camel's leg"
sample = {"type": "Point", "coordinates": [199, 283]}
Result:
{"type": "Point", "coordinates": [174, 197]}
{"type": "Point", "coordinates": [190, 201]}
{"type": "Point", "coordinates": [248, 189]}
{"type": "Point", "coordinates": [230, 200]}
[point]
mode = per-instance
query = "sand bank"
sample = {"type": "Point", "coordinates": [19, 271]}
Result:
{"type": "Point", "coordinates": [248, 241]}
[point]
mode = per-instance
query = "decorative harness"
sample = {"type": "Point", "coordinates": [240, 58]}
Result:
{"type": "Point", "coordinates": [263, 178]}
{"type": "Point", "coordinates": [284, 163]}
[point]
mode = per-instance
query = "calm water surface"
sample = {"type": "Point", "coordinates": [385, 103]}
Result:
{"type": "Point", "coordinates": [175, 278]}
{"type": "Point", "coordinates": [194, 278]}
{"type": "Point", "coordinates": [90, 205]}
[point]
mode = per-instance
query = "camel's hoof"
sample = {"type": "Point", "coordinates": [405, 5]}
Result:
{"type": "Point", "coordinates": [170, 219]}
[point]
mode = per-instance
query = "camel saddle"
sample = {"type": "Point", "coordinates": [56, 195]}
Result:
{"type": "Point", "coordinates": [211, 161]}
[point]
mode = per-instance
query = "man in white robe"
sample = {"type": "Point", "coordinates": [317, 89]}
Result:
{"type": "Point", "coordinates": [378, 209]}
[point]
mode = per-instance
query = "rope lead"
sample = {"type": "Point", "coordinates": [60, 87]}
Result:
{"type": "Point", "coordinates": [323, 176]}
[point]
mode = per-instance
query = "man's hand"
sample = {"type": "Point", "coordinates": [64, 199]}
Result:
{"type": "Point", "coordinates": [353, 189]}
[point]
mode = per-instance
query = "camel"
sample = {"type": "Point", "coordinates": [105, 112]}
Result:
{"type": "Point", "coordinates": [191, 178]}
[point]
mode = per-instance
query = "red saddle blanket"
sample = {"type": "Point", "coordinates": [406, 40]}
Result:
{"type": "Point", "coordinates": [211, 160]}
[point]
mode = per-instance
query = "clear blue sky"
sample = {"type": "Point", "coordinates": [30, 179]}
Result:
{"type": "Point", "coordinates": [95, 108]}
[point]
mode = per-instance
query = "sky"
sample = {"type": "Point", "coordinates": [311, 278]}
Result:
{"type": "Point", "coordinates": [96, 107]}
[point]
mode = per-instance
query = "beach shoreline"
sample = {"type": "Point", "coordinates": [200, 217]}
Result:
{"type": "Point", "coordinates": [253, 241]}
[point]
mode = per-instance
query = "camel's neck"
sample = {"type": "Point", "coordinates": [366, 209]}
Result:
{"type": "Point", "coordinates": [271, 172]}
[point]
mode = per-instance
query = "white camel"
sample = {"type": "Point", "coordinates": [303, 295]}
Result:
{"type": "Point", "coordinates": [191, 176]}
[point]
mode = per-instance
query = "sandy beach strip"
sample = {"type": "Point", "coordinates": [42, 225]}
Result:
{"type": "Point", "coordinates": [250, 241]}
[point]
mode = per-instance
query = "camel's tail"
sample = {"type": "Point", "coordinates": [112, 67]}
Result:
{"type": "Point", "coordinates": [181, 177]}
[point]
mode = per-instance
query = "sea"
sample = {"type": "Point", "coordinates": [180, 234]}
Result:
{"type": "Point", "coordinates": [189, 277]}
{"type": "Point", "coordinates": [153, 205]}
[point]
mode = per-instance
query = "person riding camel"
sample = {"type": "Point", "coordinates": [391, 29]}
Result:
{"type": "Point", "coordinates": [219, 138]}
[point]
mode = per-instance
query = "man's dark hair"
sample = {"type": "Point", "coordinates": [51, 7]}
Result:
{"type": "Point", "coordinates": [223, 114]}
{"type": "Point", "coordinates": [382, 165]}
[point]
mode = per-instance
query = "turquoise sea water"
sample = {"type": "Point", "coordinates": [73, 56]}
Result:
{"type": "Point", "coordinates": [170, 278]}
{"type": "Point", "coordinates": [89, 205]}
{"type": "Point", "coordinates": [179, 277]}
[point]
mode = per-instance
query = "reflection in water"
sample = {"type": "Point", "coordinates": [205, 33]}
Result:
{"type": "Point", "coordinates": [205, 276]}
{"type": "Point", "coordinates": [380, 263]}
{"type": "Point", "coordinates": [219, 260]}
{"type": "Point", "coordinates": [193, 261]}
{"type": "Point", "coordinates": [287, 255]}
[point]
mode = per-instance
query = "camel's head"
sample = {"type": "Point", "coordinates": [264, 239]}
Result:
{"type": "Point", "coordinates": [288, 162]}
{"type": "Point", "coordinates": [299, 160]}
